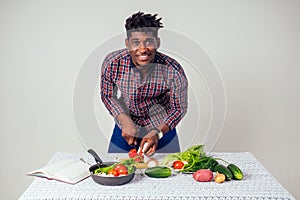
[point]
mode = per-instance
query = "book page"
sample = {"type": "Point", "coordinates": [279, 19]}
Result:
{"type": "Point", "coordinates": [51, 168]}
{"type": "Point", "coordinates": [73, 172]}
{"type": "Point", "coordinates": [70, 171]}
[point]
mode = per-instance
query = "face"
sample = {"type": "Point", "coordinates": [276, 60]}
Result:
{"type": "Point", "coordinates": [142, 47]}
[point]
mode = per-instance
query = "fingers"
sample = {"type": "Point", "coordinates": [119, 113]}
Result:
{"type": "Point", "coordinates": [148, 146]}
{"type": "Point", "coordinates": [129, 133]}
{"type": "Point", "coordinates": [131, 140]}
{"type": "Point", "coordinates": [151, 150]}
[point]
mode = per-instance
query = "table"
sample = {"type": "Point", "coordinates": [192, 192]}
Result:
{"type": "Point", "coordinates": [258, 183]}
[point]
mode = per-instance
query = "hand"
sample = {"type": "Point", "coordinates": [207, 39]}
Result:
{"type": "Point", "coordinates": [131, 140]}
{"type": "Point", "coordinates": [129, 131]}
{"type": "Point", "coordinates": [152, 140]}
{"type": "Point", "coordinates": [129, 134]}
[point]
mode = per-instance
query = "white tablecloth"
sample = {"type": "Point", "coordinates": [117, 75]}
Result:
{"type": "Point", "coordinates": [258, 183]}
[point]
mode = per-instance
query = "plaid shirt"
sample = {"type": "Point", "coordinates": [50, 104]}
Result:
{"type": "Point", "coordinates": [161, 97]}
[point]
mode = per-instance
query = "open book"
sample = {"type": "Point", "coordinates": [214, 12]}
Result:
{"type": "Point", "coordinates": [69, 171]}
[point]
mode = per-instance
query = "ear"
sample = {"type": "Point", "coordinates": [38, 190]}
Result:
{"type": "Point", "coordinates": [126, 43]}
{"type": "Point", "coordinates": [158, 42]}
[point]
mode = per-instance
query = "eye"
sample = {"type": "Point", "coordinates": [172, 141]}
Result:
{"type": "Point", "coordinates": [135, 43]}
{"type": "Point", "coordinates": [149, 42]}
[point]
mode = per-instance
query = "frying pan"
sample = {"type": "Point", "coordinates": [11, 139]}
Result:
{"type": "Point", "coordinates": [104, 180]}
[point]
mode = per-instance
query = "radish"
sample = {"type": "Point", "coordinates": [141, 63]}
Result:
{"type": "Point", "coordinates": [203, 175]}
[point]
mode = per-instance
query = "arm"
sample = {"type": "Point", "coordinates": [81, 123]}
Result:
{"type": "Point", "coordinates": [152, 139]}
{"type": "Point", "coordinates": [178, 108]}
{"type": "Point", "coordinates": [128, 129]}
{"type": "Point", "coordinates": [178, 101]}
{"type": "Point", "coordinates": [107, 86]}
{"type": "Point", "coordinates": [112, 104]}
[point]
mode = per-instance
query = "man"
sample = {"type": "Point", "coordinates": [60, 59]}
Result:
{"type": "Point", "coordinates": [144, 90]}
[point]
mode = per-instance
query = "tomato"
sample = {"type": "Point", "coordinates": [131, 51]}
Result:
{"type": "Point", "coordinates": [132, 153]}
{"type": "Point", "coordinates": [121, 169]}
{"type": "Point", "coordinates": [113, 172]}
{"type": "Point", "coordinates": [118, 166]}
{"type": "Point", "coordinates": [139, 158]}
{"type": "Point", "coordinates": [178, 164]}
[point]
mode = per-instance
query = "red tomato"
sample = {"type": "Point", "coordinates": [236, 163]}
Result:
{"type": "Point", "coordinates": [121, 169]}
{"type": "Point", "coordinates": [178, 164]}
{"type": "Point", "coordinates": [132, 153]}
{"type": "Point", "coordinates": [118, 166]}
{"type": "Point", "coordinates": [139, 158]}
{"type": "Point", "coordinates": [113, 172]}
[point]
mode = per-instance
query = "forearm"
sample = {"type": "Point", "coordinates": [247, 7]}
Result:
{"type": "Point", "coordinates": [112, 105]}
{"type": "Point", "coordinates": [124, 119]}
{"type": "Point", "coordinates": [107, 87]}
{"type": "Point", "coordinates": [128, 126]}
{"type": "Point", "coordinates": [163, 127]}
{"type": "Point", "coordinates": [173, 119]}
{"type": "Point", "coordinates": [178, 102]}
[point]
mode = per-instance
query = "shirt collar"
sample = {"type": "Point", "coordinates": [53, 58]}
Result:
{"type": "Point", "coordinates": [157, 59]}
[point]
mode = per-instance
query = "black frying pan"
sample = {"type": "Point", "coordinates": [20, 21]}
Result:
{"type": "Point", "coordinates": [111, 181]}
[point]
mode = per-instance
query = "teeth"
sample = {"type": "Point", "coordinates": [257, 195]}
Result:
{"type": "Point", "coordinates": [143, 57]}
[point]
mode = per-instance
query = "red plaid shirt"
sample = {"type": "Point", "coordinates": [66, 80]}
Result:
{"type": "Point", "coordinates": [161, 97]}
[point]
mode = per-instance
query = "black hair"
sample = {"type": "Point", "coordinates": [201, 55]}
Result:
{"type": "Point", "coordinates": [141, 22]}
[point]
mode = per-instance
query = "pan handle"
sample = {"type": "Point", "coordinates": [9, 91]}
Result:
{"type": "Point", "coordinates": [95, 155]}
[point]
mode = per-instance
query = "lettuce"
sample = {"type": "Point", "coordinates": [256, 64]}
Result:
{"type": "Point", "coordinates": [194, 157]}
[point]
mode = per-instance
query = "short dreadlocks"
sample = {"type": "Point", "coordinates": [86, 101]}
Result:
{"type": "Point", "coordinates": [141, 22]}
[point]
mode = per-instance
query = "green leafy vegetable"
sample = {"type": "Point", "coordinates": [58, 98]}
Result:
{"type": "Point", "coordinates": [169, 159]}
{"type": "Point", "coordinates": [200, 163]}
{"type": "Point", "coordinates": [129, 163]}
{"type": "Point", "coordinates": [195, 158]}
{"type": "Point", "coordinates": [194, 151]}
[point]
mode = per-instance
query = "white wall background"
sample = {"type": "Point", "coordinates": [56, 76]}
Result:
{"type": "Point", "coordinates": [43, 44]}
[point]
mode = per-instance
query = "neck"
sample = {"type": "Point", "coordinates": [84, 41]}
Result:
{"type": "Point", "coordinates": [144, 70]}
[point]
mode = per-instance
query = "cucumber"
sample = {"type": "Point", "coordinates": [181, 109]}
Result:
{"type": "Point", "coordinates": [221, 169]}
{"type": "Point", "coordinates": [236, 172]}
{"type": "Point", "coordinates": [158, 172]}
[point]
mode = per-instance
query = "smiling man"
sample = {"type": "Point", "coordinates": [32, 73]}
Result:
{"type": "Point", "coordinates": [144, 90]}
